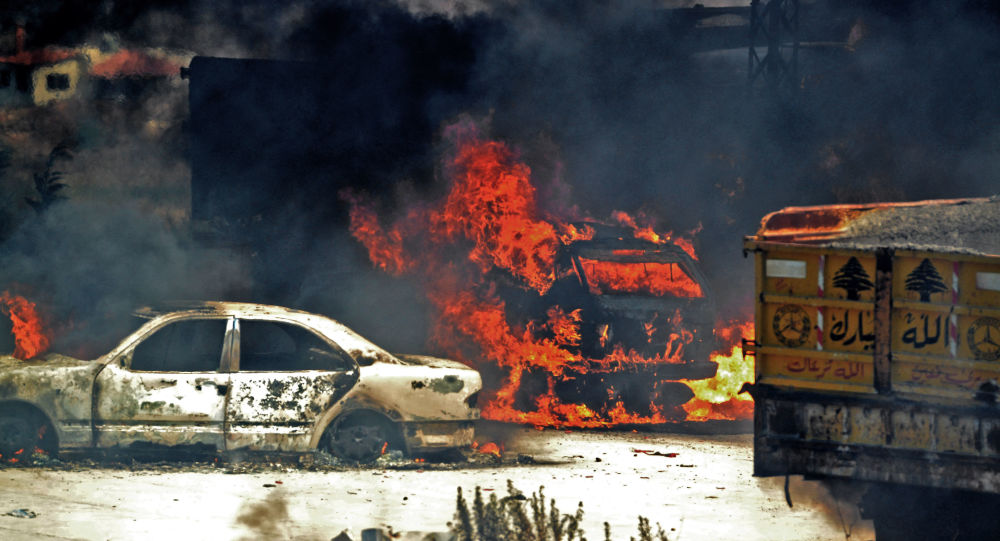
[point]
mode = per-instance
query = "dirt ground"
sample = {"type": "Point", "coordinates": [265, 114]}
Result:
{"type": "Point", "coordinates": [698, 487]}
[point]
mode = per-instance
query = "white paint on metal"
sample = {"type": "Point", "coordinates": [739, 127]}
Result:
{"type": "Point", "coordinates": [988, 280]}
{"type": "Point", "coordinates": [785, 268]}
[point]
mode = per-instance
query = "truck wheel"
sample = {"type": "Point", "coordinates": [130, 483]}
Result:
{"type": "Point", "coordinates": [17, 436]}
{"type": "Point", "coordinates": [360, 440]}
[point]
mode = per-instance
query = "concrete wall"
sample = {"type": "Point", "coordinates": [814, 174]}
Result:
{"type": "Point", "coordinates": [40, 91]}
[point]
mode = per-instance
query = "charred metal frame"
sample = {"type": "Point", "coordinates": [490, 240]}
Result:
{"type": "Point", "coordinates": [803, 433]}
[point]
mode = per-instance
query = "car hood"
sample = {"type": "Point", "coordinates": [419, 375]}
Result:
{"type": "Point", "coordinates": [52, 360]}
{"type": "Point", "coordinates": [433, 362]}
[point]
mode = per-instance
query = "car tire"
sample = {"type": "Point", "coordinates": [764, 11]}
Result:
{"type": "Point", "coordinates": [16, 434]}
{"type": "Point", "coordinates": [360, 440]}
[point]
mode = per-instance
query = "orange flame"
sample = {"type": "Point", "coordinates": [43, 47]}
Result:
{"type": "Point", "coordinates": [488, 448]}
{"type": "Point", "coordinates": [492, 203]}
{"type": "Point", "coordinates": [566, 327]}
{"type": "Point", "coordinates": [489, 221]}
{"type": "Point", "coordinates": [384, 249]}
{"type": "Point", "coordinates": [29, 335]}
{"type": "Point", "coordinates": [656, 278]}
{"type": "Point", "coordinates": [646, 232]}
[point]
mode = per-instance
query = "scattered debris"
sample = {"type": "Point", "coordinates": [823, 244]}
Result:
{"type": "Point", "coordinates": [650, 452]}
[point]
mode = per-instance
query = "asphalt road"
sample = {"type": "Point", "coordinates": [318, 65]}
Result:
{"type": "Point", "coordinates": [698, 488]}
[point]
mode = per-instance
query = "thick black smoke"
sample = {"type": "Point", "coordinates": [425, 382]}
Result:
{"type": "Point", "coordinates": [620, 101]}
{"type": "Point", "coordinates": [89, 265]}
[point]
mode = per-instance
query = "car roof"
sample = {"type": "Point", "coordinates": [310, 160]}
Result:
{"type": "Point", "coordinates": [355, 344]}
{"type": "Point", "coordinates": [222, 308]}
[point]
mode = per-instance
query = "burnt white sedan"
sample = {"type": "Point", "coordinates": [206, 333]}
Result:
{"type": "Point", "coordinates": [227, 376]}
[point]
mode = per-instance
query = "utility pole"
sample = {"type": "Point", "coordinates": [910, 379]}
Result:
{"type": "Point", "coordinates": [774, 24]}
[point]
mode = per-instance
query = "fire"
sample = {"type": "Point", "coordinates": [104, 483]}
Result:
{"type": "Point", "coordinates": [646, 232]}
{"type": "Point", "coordinates": [719, 397]}
{"type": "Point", "coordinates": [488, 448]}
{"type": "Point", "coordinates": [488, 233]}
{"type": "Point", "coordinates": [657, 278]}
{"type": "Point", "coordinates": [566, 327]}
{"type": "Point", "coordinates": [384, 249]}
{"type": "Point", "coordinates": [29, 336]}
{"type": "Point", "coordinates": [492, 204]}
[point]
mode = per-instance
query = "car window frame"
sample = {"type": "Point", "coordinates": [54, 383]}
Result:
{"type": "Point", "coordinates": [225, 358]}
{"type": "Point", "coordinates": [236, 347]}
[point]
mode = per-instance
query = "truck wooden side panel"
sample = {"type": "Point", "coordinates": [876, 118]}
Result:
{"type": "Point", "coordinates": [878, 365]}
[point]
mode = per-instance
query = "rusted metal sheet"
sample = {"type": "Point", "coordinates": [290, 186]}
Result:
{"type": "Point", "coordinates": [60, 387]}
{"type": "Point", "coordinates": [877, 440]}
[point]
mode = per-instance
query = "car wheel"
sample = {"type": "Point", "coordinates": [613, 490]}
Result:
{"type": "Point", "coordinates": [360, 441]}
{"type": "Point", "coordinates": [16, 434]}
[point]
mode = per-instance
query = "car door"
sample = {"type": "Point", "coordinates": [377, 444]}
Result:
{"type": "Point", "coordinates": [284, 377]}
{"type": "Point", "coordinates": [170, 388]}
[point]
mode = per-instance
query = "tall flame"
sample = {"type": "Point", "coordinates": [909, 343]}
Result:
{"type": "Point", "coordinates": [492, 203]}
{"type": "Point", "coordinates": [29, 335]}
{"type": "Point", "coordinates": [488, 230]}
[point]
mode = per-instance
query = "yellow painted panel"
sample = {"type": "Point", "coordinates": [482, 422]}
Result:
{"type": "Point", "coordinates": [926, 333]}
{"type": "Point", "coordinates": [979, 337]}
{"type": "Point", "coordinates": [849, 277]}
{"type": "Point", "coordinates": [976, 336]}
{"type": "Point", "coordinates": [811, 369]}
{"type": "Point", "coordinates": [922, 279]}
{"type": "Point", "coordinates": [848, 330]}
{"type": "Point", "coordinates": [943, 375]}
{"type": "Point", "coordinates": [969, 291]}
{"type": "Point", "coordinates": [787, 285]}
{"type": "Point", "coordinates": [789, 325]}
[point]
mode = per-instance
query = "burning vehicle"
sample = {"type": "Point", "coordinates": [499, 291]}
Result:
{"type": "Point", "coordinates": [224, 376]}
{"type": "Point", "coordinates": [643, 310]}
{"type": "Point", "coordinates": [572, 321]}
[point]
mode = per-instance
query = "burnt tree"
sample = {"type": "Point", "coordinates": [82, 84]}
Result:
{"type": "Point", "coordinates": [853, 278]}
{"type": "Point", "coordinates": [925, 280]}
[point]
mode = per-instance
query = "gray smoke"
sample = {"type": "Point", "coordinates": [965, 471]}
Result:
{"type": "Point", "coordinates": [89, 265]}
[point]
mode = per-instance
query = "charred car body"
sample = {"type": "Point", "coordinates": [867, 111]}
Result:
{"type": "Point", "coordinates": [647, 319]}
{"type": "Point", "coordinates": [232, 376]}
